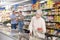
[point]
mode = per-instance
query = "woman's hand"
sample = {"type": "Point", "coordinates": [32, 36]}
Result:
{"type": "Point", "coordinates": [30, 34]}
{"type": "Point", "coordinates": [40, 30]}
{"type": "Point", "coordinates": [16, 19]}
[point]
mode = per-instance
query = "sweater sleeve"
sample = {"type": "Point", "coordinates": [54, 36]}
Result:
{"type": "Point", "coordinates": [31, 25]}
{"type": "Point", "coordinates": [43, 26]}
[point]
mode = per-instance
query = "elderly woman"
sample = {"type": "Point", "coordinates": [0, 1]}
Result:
{"type": "Point", "coordinates": [37, 26]}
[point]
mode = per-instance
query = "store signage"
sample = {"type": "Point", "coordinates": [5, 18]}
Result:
{"type": "Point", "coordinates": [2, 8]}
{"type": "Point", "coordinates": [15, 6]}
{"type": "Point", "coordinates": [34, 1]}
{"type": "Point", "coordinates": [36, 6]}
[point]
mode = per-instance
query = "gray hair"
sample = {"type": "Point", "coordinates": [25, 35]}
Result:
{"type": "Point", "coordinates": [39, 11]}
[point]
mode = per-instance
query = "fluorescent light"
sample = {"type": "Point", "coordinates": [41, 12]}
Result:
{"type": "Point", "coordinates": [28, 5]}
{"type": "Point", "coordinates": [7, 3]}
{"type": "Point", "coordinates": [19, 2]}
{"type": "Point", "coordinates": [43, 1]}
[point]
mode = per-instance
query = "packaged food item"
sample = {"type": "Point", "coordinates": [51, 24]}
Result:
{"type": "Point", "coordinates": [49, 13]}
{"type": "Point", "coordinates": [52, 13]}
{"type": "Point", "coordinates": [50, 18]}
{"type": "Point", "coordinates": [57, 26]}
{"type": "Point", "coordinates": [39, 28]}
{"type": "Point", "coordinates": [55, 32]}
{"type": "Point", "coordinates": [59, 33]}
{"type": "Point", "coordinates": [56, 11]}
{"type": "Point", "coordinates": [59, 12]}
{"type": "Point", "coordinates": [48, 31]}
{"type": "Point", "coordinates": [52, 31]}
{"type": "Point", "coordinates": [49, 3]}
{"type": "Point", "coordinates": [58, 19]}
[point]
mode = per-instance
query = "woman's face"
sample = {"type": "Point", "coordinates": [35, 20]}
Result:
{"type": "Point", "coordinates": [17, 14]}
{"type": "Point", "coordinates": [14, 12]}
{"type": "Point", "coordinates": [20, 13]}
{"type": "Point", "coordinates": [38, 15]}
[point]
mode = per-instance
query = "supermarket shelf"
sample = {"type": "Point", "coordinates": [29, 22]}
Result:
{"type": "Point", "coordinates": [50, 35]}
{"type": "Point", "coordinates": [30, 11]}
{"type": "Point", "coordinates": [47, 8]}
{"type": "Point", "coordinates": [52, 22]}
{"type": "Point", "coordinates": [27, 20]}
{"type": "Point", "coordinates": [50, 8]}
{"type": "Point", "coordinates": [52, 28]}
{"type": "Point", "coordinates": [52, 15]}
{"type": "Point", "coordinates": [55, 11]}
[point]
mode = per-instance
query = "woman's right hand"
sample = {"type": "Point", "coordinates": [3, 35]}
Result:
{"type": "Point", "coordinates": [30, 34]}
{"type": "Point", "coordinates": [16, 19]}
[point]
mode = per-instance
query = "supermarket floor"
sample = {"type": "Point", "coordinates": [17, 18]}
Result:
{"type": "Point", "coordinates": [12, 35]}
{"type": "Point", "coordinates": [6, 31]}
{"type": "Point", "coordinates": [9, 34]}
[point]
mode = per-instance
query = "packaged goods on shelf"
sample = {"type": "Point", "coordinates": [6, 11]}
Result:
{"type": "Point", "coordinates": [50, 18]}
{"type": "Point", "coordinates": [50, 3]}
{"type": "Point", "coordinates": [52, 31]}
{"type": "Point", "coordinates": [56, 11]}
{"type": "Point", "coordinates": [52, 13]}
{"type": "Point", "coordinates": [57, 18]}
{"type": "Point", "coordinates": [49, 13]}
{"type": "Point", "coordinates": [51, 25]}
{"type": "Point", "coordinates": [57, 26]}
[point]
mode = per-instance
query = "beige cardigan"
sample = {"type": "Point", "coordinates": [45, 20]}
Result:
{"type": "Point", "coordinates": [37, 23]}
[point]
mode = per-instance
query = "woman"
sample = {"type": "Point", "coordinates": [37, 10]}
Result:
{"type": "Point", "coordinates": [20, 21]}
{"type": "Point", "coordinates": [37, 26]}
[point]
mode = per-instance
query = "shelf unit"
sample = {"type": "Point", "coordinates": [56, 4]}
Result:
{"type": "Point", "coordinates": [47, 22]}
{"type": "Point", "coordinates": [52, 13]}
{"type": "Point", "coordinates": [50, 8]}
{"type": "Point", "coordinates": [27, 20]}
{"type": "Point", "coordinates": [50, 35]}
{"type": "Point", "coordinates": [52, 22]}
{"type": "Point", "coordinates": [52, 28]}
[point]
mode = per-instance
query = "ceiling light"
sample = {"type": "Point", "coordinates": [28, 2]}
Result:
{"type": "Point", "coordinates": [43, 1]}
{"type": "Point", "coordinates": [7, 3]}
{"type": "Point", "coordinates": [28, 5]}
{"type": "Point", "coordinates": [19, 2]}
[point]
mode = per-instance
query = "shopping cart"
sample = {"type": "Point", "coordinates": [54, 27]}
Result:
{"type": "Point", "coordinates": [24, 35]}
{"type": "Point", "coordinates": [35, 38]}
